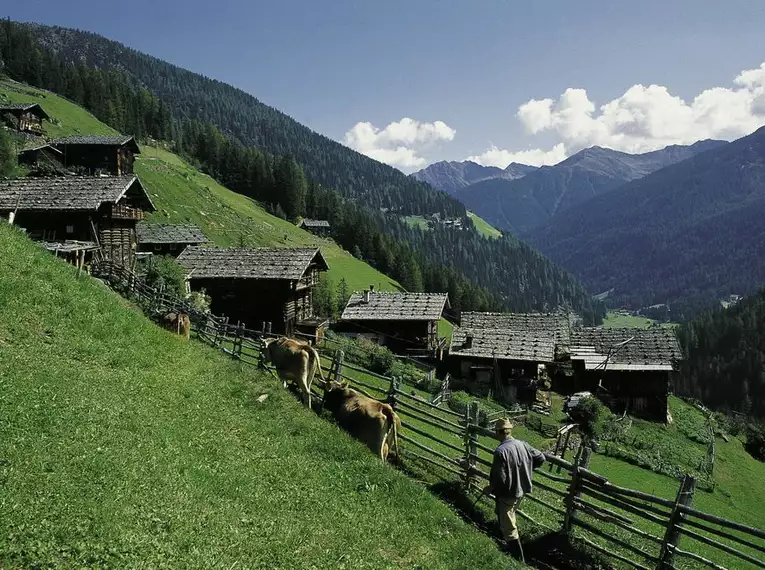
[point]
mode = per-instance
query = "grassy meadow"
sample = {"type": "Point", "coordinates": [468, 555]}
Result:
{"type": "Point", "coordinates": [67, 118]}
{"type": "Point", "coordinates": [483, 227]}
{"type": "Point", "coordinates": [121, 445]}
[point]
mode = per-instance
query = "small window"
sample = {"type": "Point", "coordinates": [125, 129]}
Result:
{"type": "Point", "coordinates": [70, 229]}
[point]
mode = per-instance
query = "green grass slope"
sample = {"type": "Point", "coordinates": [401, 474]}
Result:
{"type": "Point", "coordinates": [121, 445]}
{"type": "Point", "coordinates": [183, 194]}
{"type": "Point", "coordinates": [483, 227]}
{"type": "Point", "coordinates": [67, 118]}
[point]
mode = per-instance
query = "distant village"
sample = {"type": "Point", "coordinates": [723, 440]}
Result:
{"type": "Point", "coordinates": [90, 206]}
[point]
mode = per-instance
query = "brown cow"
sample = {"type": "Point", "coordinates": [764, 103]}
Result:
{"type": "Point", "coordinates": [374, 423]}
{"type": "Point", "coordinates": [178, 323]}
{"type": "Point", "coordinates": [294, 360]}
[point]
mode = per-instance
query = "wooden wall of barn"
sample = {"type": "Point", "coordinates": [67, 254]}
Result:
{"type": "Point", "coordinates": [643, 393]}
{"type": "Point", "coordinates": [117, 239]}
{"type": "Point", "coordinates": [253, 302]}
{"type": "Point", "coordinates": [399, 336]}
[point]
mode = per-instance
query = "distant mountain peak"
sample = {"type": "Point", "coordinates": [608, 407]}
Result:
{"type": "Point", "coordinates": [523, 203]}
{"type": "Point", "coordinates": [450, 176]}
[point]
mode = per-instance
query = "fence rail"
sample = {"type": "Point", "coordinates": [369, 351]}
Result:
{"type": "Point", "coordinates": [608, 518]}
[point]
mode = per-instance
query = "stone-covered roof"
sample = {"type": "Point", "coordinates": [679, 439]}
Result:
{"type": "Point", "coordinates": [106, 140]}
{"type": "Point", "coordinates": [385, 306]}
{"type": "Point", "coordinates": [169, 233]}
{"type": "Point", "coordinates": [644, 349]}
{"type": "Point", "coordinates": [203, 262]}
{"type": "Point", "coordinates": [39, 147]}
{"type": "Point", "coordinates": [308, 223]}
{"type": "Point", "coordinates": [11, 107]}
{"type": "Point", "coordinates": [69, 192]}
{"type": "Point", "coordinates": [539, 324]}
{"type": "Point", "coordinates": [504, 344]}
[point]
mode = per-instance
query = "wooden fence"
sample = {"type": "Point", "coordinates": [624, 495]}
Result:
{"type": "Point", "coordinates": [632, 528]}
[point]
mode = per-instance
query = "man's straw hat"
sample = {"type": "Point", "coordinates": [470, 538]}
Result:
{"type": "Point", "coordinates": [503, 425]}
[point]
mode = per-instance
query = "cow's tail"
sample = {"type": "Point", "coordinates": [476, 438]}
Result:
{"type": "Point", "coordinates": [313, 355]}
{"type": "Point", "coordinates": [395, 425]}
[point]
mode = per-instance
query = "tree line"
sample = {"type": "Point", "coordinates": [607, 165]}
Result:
{"type": "Point", "coordinates": [724, 357]}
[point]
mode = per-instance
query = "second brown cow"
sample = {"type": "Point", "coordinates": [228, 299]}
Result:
{"type": "Point", "coordinates": [179, 323]}
{"type": "Point", "coordinates": [374, 423]}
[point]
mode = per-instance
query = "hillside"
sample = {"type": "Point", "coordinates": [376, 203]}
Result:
{"type": "Point", "coordinates": [183, 194]}
{"type": "Point", "coordinates": [451, 176]}
{"type": "Point", "coordinates": [523, 204]}
{"type": "Point", "coordinates": [690, 233]}
{"type": "Point", "coordinates": [725, 357]}
{"type": "Point", "coordinates": [137, 94]}
{"type": "Point", "coordinates": [108, 460]}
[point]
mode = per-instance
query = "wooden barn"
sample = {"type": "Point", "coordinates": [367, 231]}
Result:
{"type": "Point", "coordinates": [316, 227]}
{"type": "Point", "coordinates": [42, 157]}
{"type": "Point", "coordinates": [24, 117]}
{"type": "Point", "coordinates": [100, 211]}
{"type": "Point", "coordinates": [168, 239]}
{"type": "Point", "coordinates": [259, 285]}
{"type": "Point", "coordinates": [404, 322]}
{"type": "Point", "coordinates": [503, 353]}
{"type": "Point", "coordinates": [114, 154]}
{"type": "Point", "coordinates": [629, 369]}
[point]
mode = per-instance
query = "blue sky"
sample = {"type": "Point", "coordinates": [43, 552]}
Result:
{"type": "Point", "coordinates": [461, 70]}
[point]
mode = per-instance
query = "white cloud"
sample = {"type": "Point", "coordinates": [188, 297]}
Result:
{"type": "Point", "coordinates": [500, 157]}
{"type": "Point", "coordinates": [400, 143]}
{"type": "Point", "coordinates": [640, 120]}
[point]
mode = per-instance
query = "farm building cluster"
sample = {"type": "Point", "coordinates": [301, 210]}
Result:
{"type": "Point", "coordinates": [94, 209]}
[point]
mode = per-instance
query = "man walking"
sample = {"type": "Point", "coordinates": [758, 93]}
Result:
{"type": "Point", "coordinates": [514, 460]}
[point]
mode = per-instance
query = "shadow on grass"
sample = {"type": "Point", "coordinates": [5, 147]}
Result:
{"type": "Point", "coordinates": [542, 550]}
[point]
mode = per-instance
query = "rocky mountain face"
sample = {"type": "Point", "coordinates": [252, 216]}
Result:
{"type": "Point", "coordinates": [452, 176]}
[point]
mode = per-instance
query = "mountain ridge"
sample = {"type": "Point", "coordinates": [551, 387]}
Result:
{"type": "Point", "coordinates": [450, 176]}
{"type": "Point", "coordinates": [522, 204]}
{"type": "Point", "coordinates": [687, 233]}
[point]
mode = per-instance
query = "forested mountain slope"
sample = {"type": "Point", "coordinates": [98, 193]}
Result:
{"type": "Point", "coordinates": [725, 357]}
{"type": "Point", "coordinates": [691, 232]}
{"type": "Point", "coordinates": [279, 182]}
{"type": "Point", "coordinates": [190, 96]}
{"type": "Point", "coordinates": [523, 204]}
{"type": "Point", "coordinates": [451, 176]}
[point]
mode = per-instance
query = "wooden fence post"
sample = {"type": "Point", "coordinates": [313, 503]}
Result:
{"type": "Point", "coordinates": [672, 534]}
{"type": "Point", "coordinates": [237, 348]}
{"type": "Point", "coordinates": [395, 385]}
{"type": "Point", "coordinates": [471, 440]}
{"type": "Point", "coordinates": [582, 461]}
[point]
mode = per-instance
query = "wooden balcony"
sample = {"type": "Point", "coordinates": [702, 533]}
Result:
{"type": "Point", "coordinates": [125, 212]}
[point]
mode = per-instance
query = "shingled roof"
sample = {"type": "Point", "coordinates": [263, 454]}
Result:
{"type": "Point", "coordinates": [503, 344]}
{"type": "Point", "coordinates": [106, 140]}
{"type": "Point", "coordinates": [14, 107]}
{"type": "Point", "coordinates": [647, 349]}
{"type": "Point", "coordinates": [532, 325]}
{"type": "Point", "coordinates": [249, 263]}
{"type": "Point", "coordinates": [308, 223]}
{"type": "Point", "coordinates": [386, 306]}
{"type": "Point", "coordinates": [170, 233]}
{"type": "Point", "coordinates": [69, 192]}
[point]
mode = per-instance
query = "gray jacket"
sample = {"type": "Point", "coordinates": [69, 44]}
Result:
{"type": "Point", "coordinates": [514, 460]}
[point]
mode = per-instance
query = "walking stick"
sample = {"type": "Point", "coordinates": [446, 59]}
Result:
{"type": "Point", "coordinates": [481, 494]}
